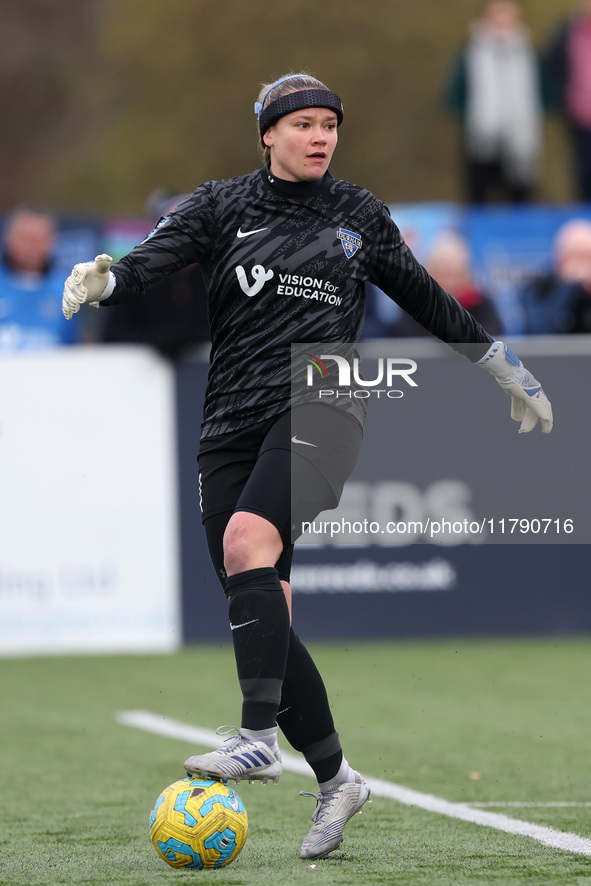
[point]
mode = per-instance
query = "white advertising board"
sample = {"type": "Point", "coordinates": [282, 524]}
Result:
{"type": "Point", "coordinates": [88, 503]}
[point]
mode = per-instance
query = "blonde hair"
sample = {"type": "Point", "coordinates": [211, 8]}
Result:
{"type": "Point", "coordinates": [270, 92]}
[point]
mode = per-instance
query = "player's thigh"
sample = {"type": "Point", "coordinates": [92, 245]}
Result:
{"type": "Point", "coordinates": [329, 438]}
{"type": "Point", "coordinates": [325, 447]}
{"type": "Point", "coordinates": [223, 472]}
{"type": "Point", "coordinates": [286, 489]}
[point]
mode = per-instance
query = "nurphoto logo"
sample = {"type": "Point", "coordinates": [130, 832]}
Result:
{"type": "Point", "coordinates": [345, 376]}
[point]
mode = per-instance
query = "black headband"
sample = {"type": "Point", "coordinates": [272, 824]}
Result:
{"type": "Point", "coordinates": [297, 101]}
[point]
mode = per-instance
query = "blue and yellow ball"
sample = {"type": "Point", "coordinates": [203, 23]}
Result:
{"type": "Point", "coordinates": [198, 824]}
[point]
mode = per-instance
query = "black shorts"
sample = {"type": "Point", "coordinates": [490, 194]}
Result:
{"type": "Point", "coordinates": [287, 469]}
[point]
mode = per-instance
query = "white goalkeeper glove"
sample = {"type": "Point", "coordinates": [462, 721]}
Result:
{"type": "Point", "coordinates": [528, 401]}
{"type": "Point", "coordinates": [89, 283]}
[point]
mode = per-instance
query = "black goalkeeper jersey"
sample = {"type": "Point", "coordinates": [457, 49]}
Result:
{"type": "Point", "coordinates": [285, 262]}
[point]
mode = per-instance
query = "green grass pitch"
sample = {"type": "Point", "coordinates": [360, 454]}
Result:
{"type": "Point", "coordinates": [478, 721]}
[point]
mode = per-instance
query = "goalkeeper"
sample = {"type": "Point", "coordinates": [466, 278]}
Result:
{"type": "Point", "coordinates": [285, 252]}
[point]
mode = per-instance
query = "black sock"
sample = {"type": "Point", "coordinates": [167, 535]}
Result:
{"type": "Point", "coordinates": [259, 619]}
{"type": "Point", "coordinates": [304, 715]}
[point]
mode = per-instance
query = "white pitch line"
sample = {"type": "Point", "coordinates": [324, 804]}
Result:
{"type": "Point", "coordinates": [154, 723]}
{"type": "Point", "coordinates": [524, 804]}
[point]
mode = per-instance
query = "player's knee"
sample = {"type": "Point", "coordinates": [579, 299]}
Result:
{"type": "Point", "coordinates": [237, 551]}
{"type": "Point", "coordinates": [250, 542]}
{"type": "Point", "coordinates": [242, 548]}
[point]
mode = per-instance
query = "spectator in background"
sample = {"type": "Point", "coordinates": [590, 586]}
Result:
{"type": "Point", "coordinates": [567, 63]}
{"type": "Point", "coordinates": [449, 262]}
{"type": "Point", "coordinates": [30, 315]}
{"type": "Point", "coordinates": [495, 88]}
{"type": "Point", "coordinates": [172, 317]}
{"type": "Point", "coordinates": [560, 302]}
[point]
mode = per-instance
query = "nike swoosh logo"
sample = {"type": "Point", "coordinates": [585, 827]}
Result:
{"type": "Point", "coordinates": [243, 625]}
{"type": "Point", "coordinates": [294, 439]}
{"type": "Point", "coordinates": [242, 233]}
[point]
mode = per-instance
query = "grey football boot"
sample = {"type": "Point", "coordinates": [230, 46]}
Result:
{"type": "Point", "coordinates": [240, 757]}
{"type": "Point", "coordinates": [333, 810]}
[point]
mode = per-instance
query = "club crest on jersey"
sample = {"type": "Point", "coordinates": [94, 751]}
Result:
{"type": "Point", "coordinates": [350, 241]}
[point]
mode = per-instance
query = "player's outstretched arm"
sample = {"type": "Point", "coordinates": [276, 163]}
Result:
{"type": "Point", "coordinates": [87, 284]}
{"type": "Point", "coordinates": [528, 401]}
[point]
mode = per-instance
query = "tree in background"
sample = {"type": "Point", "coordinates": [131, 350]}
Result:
{"type": "Point", "coordinates": [104, 101]}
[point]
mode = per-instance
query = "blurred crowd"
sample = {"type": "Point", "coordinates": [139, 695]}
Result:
{"type": "Point", "coordinates": [555, 301]}
{"type": "Point", "coordinates": [171, 318]}
{"type": "Point", "coordinates": [499, 87]}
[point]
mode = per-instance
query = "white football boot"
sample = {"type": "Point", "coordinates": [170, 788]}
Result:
{"type": "Point", "coordinates": [333, 810]}
{"type": "Point", "coordinates": [240, 757]}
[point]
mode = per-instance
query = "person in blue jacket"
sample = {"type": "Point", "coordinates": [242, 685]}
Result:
{"type": "Point", "coordinates": [30, 315]}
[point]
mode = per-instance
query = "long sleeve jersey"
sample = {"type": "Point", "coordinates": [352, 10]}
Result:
{"type": "Point", "coordinates": [285, 262]}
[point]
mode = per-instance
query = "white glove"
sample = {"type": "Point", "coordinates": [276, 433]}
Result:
{"type": "Point", "coordinates": [528, 401]}
{"type": "Point", "coordinates": [86, 285]}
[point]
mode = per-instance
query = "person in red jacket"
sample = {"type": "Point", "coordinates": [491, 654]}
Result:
{"type": "Point", "coordinates": [567, 64]}
{"type": "Point", "coordinates": [449, 262]}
